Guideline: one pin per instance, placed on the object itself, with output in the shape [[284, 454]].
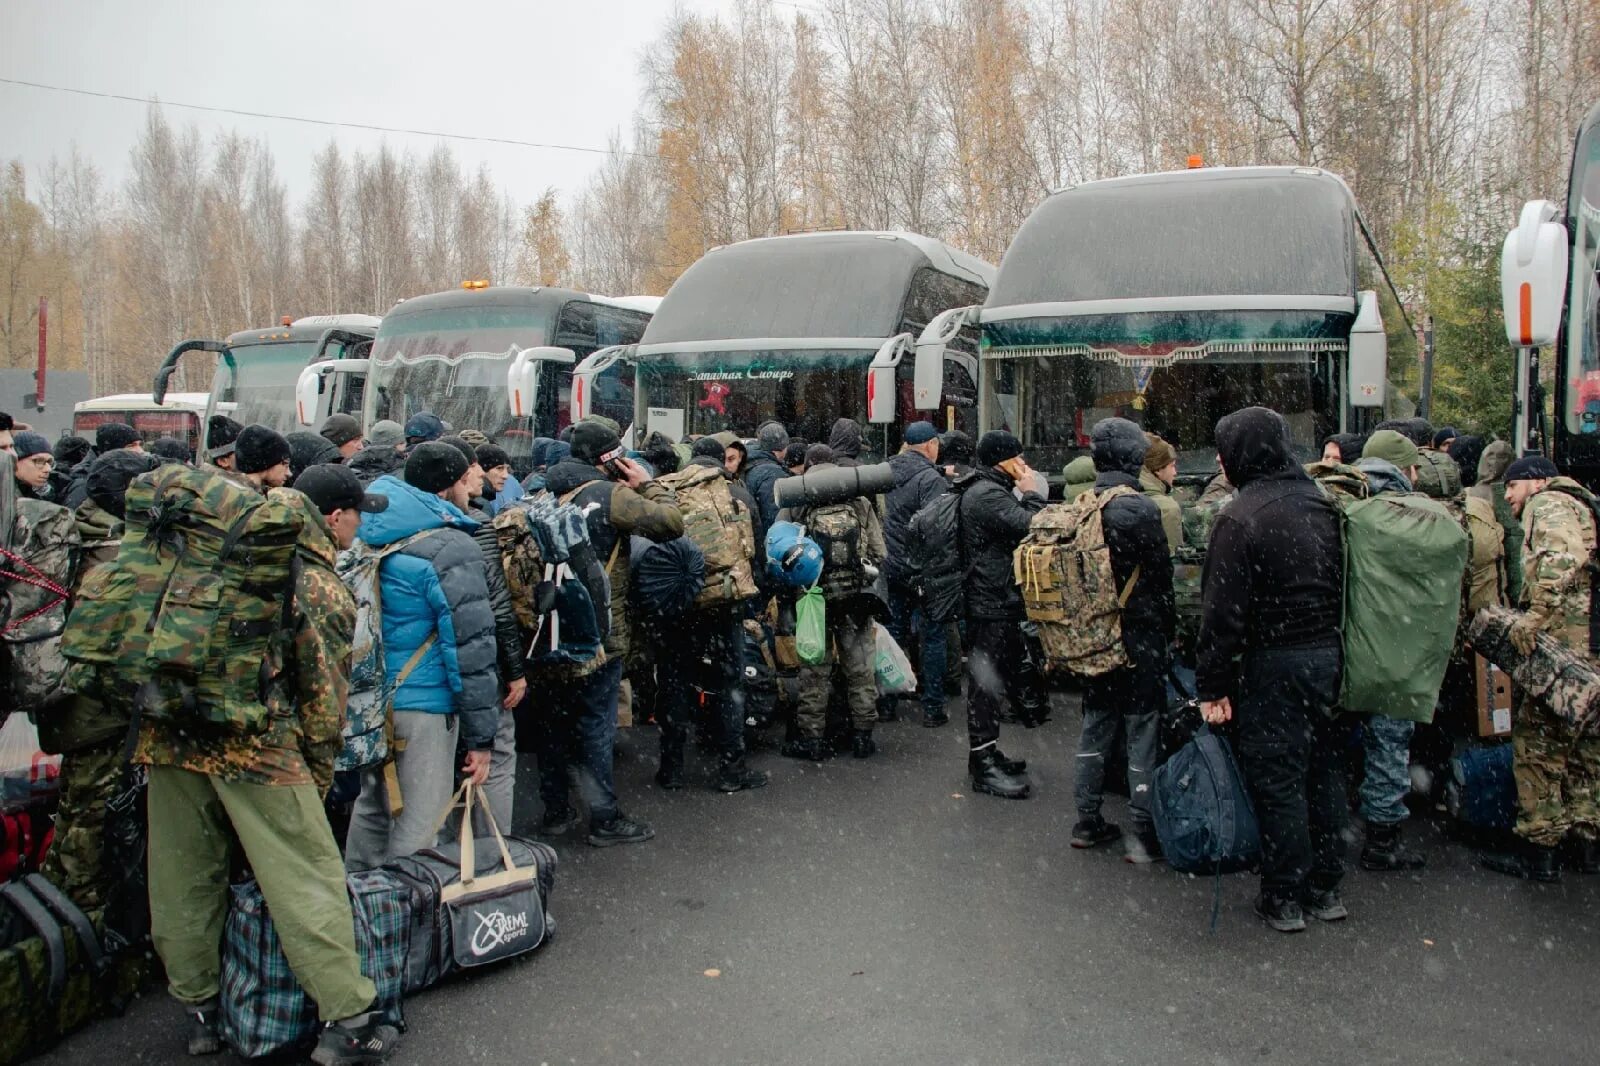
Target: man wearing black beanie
[[996, 511], [261, 455], [113, 435]]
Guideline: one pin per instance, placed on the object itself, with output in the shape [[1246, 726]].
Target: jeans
[[575, 728], [1130, 696], [426, 768], [1388, 769], [998, 668], [707, 646], [1288, 750], [907, 620]]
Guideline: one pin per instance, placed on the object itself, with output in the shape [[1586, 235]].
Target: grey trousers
[[427, 771], [502, 783]]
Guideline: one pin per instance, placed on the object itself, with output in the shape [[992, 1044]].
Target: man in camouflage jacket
[[267, 791], [1557, 767]]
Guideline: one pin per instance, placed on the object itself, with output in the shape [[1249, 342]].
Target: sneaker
[[1324, 905], [556, 822], [1284, 915], [1092, 832], [619, 830], [740, 779], [205, 1032], [1143, 848], [369, 1040]]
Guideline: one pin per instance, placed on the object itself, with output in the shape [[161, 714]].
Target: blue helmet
[[793, 559]]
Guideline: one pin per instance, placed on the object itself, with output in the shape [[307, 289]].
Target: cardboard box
[[1493, 686]]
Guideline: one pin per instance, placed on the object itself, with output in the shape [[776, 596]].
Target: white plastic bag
[[895, 676], [27, 774]]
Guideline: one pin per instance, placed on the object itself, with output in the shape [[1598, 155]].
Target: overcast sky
[[552, 71]]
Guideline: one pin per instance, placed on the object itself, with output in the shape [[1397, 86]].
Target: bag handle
[[469, 796]]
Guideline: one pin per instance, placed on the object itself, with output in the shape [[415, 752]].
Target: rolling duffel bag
[[474, 902]]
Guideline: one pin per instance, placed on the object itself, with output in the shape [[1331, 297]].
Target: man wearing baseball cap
[[340, 498], [1555, 764], [917, 481], [423, 427]]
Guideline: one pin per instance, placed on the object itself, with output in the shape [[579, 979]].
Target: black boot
[[1009, 765], [735, 776], [989, 776], [815, 749], [1528, 861], [1092, 832], [862, 746], [670, 775], [205, 1028], [1384, 851], [1588, 858]]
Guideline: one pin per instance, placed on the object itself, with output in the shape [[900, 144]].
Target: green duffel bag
[[1404, 555], [54, 976]]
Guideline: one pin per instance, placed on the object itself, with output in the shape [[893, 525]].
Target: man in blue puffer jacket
[[435, 594]]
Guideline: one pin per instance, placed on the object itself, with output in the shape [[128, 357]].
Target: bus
[[1173, 299], [805, 329], [179, 415], [1550, 287], [498, 359], [258, 371]]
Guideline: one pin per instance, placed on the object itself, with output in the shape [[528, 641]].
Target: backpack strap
[[55, 945], [393, 744], [566, 499], [65, 910], [1100, 504]]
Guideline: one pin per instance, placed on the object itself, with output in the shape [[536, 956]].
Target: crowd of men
[[1264, 662]]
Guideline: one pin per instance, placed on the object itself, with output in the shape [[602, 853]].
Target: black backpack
[[937, 559]]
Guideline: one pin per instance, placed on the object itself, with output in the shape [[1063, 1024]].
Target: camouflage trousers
[[855, 647], [1557, 774], [90, 777]]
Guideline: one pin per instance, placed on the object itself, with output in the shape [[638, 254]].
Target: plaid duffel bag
[[264, 1009]]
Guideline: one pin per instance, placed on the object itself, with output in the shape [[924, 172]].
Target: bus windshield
[[805, 389], [1583, 302], [468, 392], [258, 380], [1052, 402]]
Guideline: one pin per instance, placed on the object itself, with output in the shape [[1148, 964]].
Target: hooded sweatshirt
[[845, 440], [1079, 477], [1383, 476], [1137, 540], [1274, 572], [437, 584]]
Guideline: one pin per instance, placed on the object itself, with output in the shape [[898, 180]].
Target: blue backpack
[[1202, 812]]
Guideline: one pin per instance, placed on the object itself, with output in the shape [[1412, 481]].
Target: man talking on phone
[[618, 499], [995, 512]]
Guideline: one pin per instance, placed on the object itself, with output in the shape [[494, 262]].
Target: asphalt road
[[878, 912]]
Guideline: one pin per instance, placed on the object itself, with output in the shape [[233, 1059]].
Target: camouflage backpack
[[1438, 475], [721, 528], [36, 576], [836, 527], [369, 713], [190, 624], [1063, 567]]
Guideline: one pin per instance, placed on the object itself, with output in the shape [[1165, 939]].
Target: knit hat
[[955, 447], [386, 434], [920, 433], [773, 437], [591, 440], [424, 426], [491, 455], [434, 466], [113, 435], [997, 446], [341, 429], [307, 449], [1390, 445], [26, 442], [794, 454], [1159, 454], [1531, 468], [818, 453], [609, 423], [708, 448], [467, 451], [109, 476], [260, 448], [222, 434], [475, 437], [1442, 436], [171, 449], [71, 450]]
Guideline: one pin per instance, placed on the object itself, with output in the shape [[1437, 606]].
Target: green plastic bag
[[811, 628], [1404, 556]]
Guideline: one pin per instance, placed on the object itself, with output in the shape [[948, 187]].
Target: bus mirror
[[583, 378], [308, 395], [158, 391], [1533, 276], [928, 377], [881, 392], [1369, 355]]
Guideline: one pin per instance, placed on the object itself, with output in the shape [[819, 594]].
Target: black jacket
[[371, 463], [1274, 572], [1136, 538], [507, 634], [845, 442], [993, 523], [761, 471], [916, 483]]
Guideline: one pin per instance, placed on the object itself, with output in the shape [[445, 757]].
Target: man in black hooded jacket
[[845, 440], [1269, 660], [994, 519], [1131, 695]]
